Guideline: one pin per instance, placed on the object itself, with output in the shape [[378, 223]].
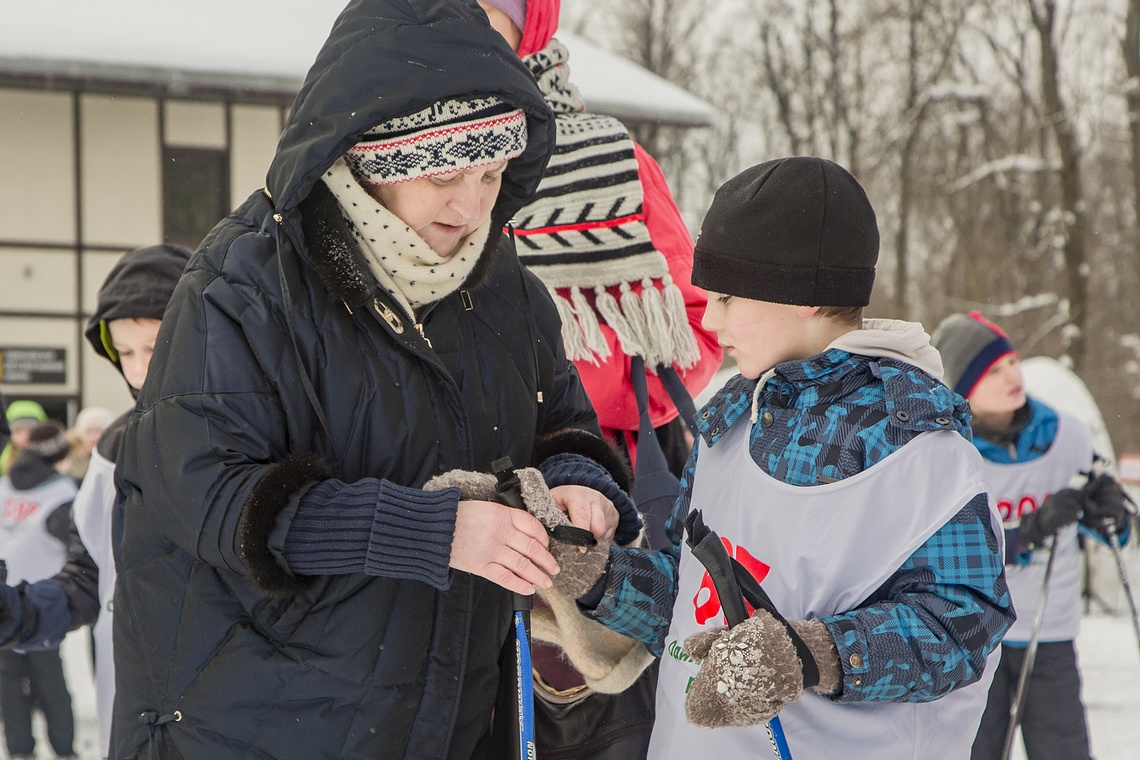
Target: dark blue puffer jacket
[[276, 369]]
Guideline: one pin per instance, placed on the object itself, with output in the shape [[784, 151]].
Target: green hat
[[24, 409]]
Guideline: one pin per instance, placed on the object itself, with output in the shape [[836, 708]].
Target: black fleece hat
[[796, 230], [138, 287]]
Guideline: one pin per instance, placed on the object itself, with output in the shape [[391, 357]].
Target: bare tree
[[1130, 48], [1044, 15]]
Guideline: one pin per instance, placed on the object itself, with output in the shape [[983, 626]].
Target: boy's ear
[[806, 312]]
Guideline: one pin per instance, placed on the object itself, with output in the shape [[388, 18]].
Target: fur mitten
[[474, 486], [608, 661], [751, 671], [581, 566]]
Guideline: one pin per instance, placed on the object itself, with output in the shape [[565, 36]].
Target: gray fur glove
[[751, 671], [581, 567]]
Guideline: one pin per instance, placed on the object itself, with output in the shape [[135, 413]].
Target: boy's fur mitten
[[751, 671], [1061, 509]]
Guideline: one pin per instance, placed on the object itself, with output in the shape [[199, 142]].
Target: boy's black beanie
[[138, 287], [796, 230]]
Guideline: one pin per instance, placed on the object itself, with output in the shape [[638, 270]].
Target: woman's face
[[446, 208]]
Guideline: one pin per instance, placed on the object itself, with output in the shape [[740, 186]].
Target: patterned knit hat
[[970, 344], [49, 442], [448, 136]]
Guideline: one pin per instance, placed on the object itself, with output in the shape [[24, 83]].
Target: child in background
[[35, 513], [837, 469], [84, 436], [1031, 454], [122, 330], [22, 415]]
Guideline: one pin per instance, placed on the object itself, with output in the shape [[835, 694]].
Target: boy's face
[[758, 334], [134, 340], [1001, 390]]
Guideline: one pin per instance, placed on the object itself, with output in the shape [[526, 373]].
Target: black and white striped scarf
[[584, 232]]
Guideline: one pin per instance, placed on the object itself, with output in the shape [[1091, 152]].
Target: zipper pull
[[420, 330]]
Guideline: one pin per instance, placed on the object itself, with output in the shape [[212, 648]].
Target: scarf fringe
[[652, 324], [686, 352], [588, 321]]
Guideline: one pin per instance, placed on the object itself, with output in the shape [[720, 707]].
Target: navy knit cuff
[[577, 470], [375, 527], [412, 533]]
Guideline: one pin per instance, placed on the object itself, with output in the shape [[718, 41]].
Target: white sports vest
[[819, 551], [92, 509], [32, 553], [1022, 487]]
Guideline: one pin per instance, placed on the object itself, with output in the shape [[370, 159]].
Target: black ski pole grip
[[510, 493]]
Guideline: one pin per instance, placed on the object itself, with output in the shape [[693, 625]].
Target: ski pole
[[510, 493], [1018, 706], [1114, 542], [707, 549]]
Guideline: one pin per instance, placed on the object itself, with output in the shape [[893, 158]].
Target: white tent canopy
[[266, 42]]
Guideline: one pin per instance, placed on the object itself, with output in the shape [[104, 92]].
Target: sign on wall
[[31, 365]]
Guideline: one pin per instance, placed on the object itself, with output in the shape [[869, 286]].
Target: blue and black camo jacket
[[929, 629]]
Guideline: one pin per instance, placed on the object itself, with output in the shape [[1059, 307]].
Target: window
[[195, 188]]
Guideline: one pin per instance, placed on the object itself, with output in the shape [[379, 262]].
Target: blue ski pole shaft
[[1017, 708], [510, 494], [710, 552]]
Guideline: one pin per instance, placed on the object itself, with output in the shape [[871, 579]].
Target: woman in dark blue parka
[[286, 588]]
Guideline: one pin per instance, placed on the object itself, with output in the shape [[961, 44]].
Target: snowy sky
[[271, 38]]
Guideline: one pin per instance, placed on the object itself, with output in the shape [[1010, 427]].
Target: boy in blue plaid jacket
[[837, 469]]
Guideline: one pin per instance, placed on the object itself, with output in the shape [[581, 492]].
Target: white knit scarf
[[400, 260]]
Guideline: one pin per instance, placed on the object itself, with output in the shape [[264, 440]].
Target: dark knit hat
[[48, 441], [448, 136], [796, 230], [137, 287], [970, 344]]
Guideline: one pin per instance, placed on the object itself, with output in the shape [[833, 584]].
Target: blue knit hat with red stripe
[[970, 344]]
